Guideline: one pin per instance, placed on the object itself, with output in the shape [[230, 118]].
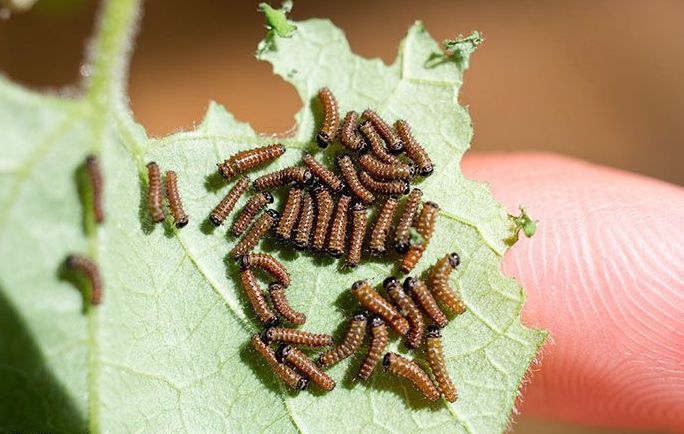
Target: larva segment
[[403, 367], [256, 298], [435, 358], [376, 145], [94, 172], [390, 137], [268, 263], [284, 372], [154, 193], [297, 337], [298, 174], [175, 202], [325, 175], [397, 187], [282, 306], [358, 232], [225, 207], [402, 231], [425, 225], [349, 136], [407, 308], [373, 302], [378, 343], [331, 118], [303, 364], [344, 162], [255, 233], [302, 231], [85, 266], [386, 172], [249, 159], [255, 204], [288, 217], [419, 292], [350, 344], [413, 149], [324, 212], [438, 282], [381, 228], [338, 227]]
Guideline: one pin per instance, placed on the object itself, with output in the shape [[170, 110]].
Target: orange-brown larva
[[297, 337], [282, 306], [349, 137], [407, 308], [357, 234], [403, 367], [249, 159], [321, 172], [225, 207], [375, 303], [268, 263], [255, 233], [303, 364], [338, 227], [298, 174], [376, 145], [419, 292], [284, 372], [439, 285], [413, 149], [154, 193], [84, 265], [324, 212], [344, 162], [256, 298], [331, 117], [425, 224], [290, 212], [175, 202], [390, 137], [378, 343], [379, 170], [255, 204], [411, 257], [302, 231], [381, 228], [389, 187], [435, 358], [95, 179], [350, 344], [402, 231]]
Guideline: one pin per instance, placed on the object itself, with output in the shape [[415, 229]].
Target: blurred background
[[599, 80]]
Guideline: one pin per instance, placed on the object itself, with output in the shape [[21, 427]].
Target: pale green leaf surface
[[166, 351]]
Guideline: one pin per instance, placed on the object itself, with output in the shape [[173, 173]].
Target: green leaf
[[167, 350]]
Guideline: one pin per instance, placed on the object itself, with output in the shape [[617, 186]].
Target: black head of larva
[[433, 332], [273, 213], [90, 158], [335, 255], [307, 177], [454, 260], [282, 351], [358, 206], [431, 204], [358, 284], [182, 222], [407, 188], [70, 261], [409, 283], [427, 170], [401, 247], [343, 155], [268, 196], [303, 383], [151, 163], [386, 361], [360, 316], [376, 321], [242, 262], [299, 244], [390, 281], [214, 220], [266, 335], [412, 170], [322, 139], [273, 322]]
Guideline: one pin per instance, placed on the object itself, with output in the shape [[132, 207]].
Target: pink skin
[[605, 275]]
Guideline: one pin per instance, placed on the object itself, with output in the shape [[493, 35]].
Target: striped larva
[[324, 212], [302, 231], [284, 372], [344, 162], [255, 233], [407, 308], [256, 298], [349, 136], [297, 337], [325, 175], [381, 228], [331, 117], [282, 305], [402, 231], [290, 212], [375, 303], [249, 159], [268, 263], [425, 225], [378, 343], [357, 234], [414, 150], [389, 187], [350, 344], [403, 367], [94, 172], [338, 227], [435, 358], [154, 193], [376, 145], [255, 204], [390, 137], [293, 356], [439, 284], [225, 207], [387, 172], [175, 202], [419, 292], [87, 267], [298, 174]]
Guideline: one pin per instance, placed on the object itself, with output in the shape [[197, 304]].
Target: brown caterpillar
[[425, 224], [267, 263], [350, 344], [154, 194], [225, 207], [376, 304], [344, 162], [87, 267], [358, 232], [338, 227], [324, 212], [435, 358], [331, 117], [413, 149], [411, 257], [349, 137], [247, 160], [282, 306], [439, 284], [256, 298], [378, 343], [326, 175], [302, 231], [95, 178], [284, 372], [407, 308], [420, 293], [255, 204], [255, 233], [403, 367], [376, 145], [387, 172], [175, 202], [281, 177], [393, 141], [402, 231], [381, 228], [390, 187], [296, 358], [297, 337], [288, 217]]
